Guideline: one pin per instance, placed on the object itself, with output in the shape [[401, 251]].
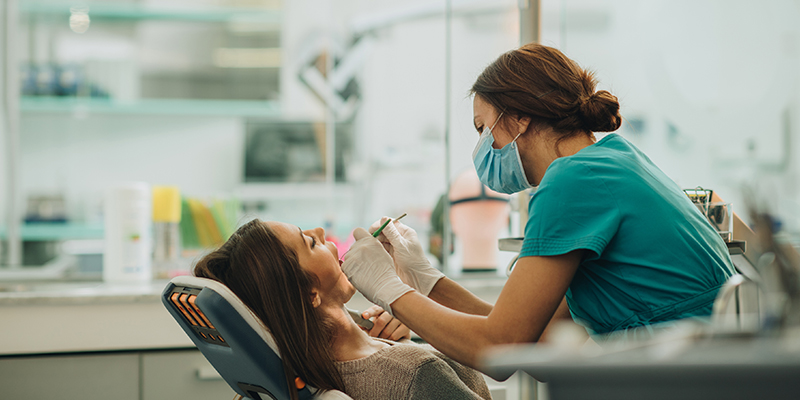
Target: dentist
[[611, 241]]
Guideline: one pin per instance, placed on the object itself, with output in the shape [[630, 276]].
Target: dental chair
[[234, 340]]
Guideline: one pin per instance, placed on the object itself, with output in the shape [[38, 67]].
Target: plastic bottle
[[166, 224], [128, 233]]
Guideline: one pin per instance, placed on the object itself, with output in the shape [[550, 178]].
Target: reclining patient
[[292, 280]]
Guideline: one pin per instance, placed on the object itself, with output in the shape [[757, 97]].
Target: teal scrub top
[[652, 256]]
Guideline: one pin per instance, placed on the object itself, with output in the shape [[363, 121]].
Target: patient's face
[[319, 257]]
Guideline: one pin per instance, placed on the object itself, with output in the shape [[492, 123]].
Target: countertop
[[486, 285], [76, 317], [61, 293], [90, 316]]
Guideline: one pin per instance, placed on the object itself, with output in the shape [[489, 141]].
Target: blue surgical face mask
[[499, 169]]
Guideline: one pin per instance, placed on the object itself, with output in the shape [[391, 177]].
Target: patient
[[292, 280]]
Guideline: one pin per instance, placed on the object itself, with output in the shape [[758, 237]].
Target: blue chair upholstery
[[232, 339]]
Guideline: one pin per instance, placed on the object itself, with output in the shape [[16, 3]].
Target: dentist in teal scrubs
[[611, 241]]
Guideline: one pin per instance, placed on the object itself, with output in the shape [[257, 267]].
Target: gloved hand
[[371, 270], [410, 261]]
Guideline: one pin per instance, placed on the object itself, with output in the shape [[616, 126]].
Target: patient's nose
[[320, 234]]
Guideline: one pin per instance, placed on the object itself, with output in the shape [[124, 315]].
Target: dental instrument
[[360, 321], [378, 232]]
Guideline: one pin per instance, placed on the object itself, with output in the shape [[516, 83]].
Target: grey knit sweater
[[410, 371]]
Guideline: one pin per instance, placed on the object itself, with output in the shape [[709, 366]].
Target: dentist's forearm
[[530, 298], [463, 337], [454, 296]]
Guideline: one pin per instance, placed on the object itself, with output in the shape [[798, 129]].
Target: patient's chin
[[350, 291]]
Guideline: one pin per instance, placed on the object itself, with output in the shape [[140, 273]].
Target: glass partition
[[477, 216]]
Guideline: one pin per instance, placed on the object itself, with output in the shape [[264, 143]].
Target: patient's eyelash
[[313, 242]]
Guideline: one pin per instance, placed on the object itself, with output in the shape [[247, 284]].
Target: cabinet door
[[182, 374], [85, 377]]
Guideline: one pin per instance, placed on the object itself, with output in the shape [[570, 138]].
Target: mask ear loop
[[520, 134], [498, 120], [524, 176]]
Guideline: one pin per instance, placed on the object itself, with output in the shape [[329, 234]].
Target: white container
[[127, 255]]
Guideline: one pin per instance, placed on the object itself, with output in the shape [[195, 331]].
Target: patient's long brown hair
[[267, 277]]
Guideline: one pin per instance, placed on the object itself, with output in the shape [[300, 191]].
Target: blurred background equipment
[[166, 232], [479, 217], [778, 264], [294, 151], [46, 208], [127, 257], [718, 213]]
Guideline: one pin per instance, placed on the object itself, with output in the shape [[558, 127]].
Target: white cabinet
[[181, 375], [84, 377], [173, 374]]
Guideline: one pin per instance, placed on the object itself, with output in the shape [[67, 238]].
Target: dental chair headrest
[[249, 317], [233, 339]]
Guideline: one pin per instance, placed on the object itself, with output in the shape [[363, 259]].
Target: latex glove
[[371, 270], [410, 261], [386, 326]]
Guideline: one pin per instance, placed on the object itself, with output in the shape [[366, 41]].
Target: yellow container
[[166, 204]]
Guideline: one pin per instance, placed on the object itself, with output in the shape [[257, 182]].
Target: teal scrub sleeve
[[572, 209]]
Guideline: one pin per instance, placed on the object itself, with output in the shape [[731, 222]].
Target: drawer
[[181, 374], [84, 377]]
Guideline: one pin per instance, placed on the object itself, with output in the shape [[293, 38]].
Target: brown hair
[[267, 277], [540, 82]]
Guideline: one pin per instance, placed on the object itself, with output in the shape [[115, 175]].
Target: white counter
[[80, 317], [67, 317]]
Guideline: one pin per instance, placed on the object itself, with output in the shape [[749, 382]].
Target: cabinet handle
[[208, 374]]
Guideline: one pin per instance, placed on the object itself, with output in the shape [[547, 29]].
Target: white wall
[[402, 120], [478, 40], [3, 158], [400, 124], [710, 80], [79, 158]]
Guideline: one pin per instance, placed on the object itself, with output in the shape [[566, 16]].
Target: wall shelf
[[77, 105], [57, 231], [133, 11], [294, 191]]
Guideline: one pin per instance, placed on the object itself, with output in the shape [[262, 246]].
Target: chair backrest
[[231, 338]]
